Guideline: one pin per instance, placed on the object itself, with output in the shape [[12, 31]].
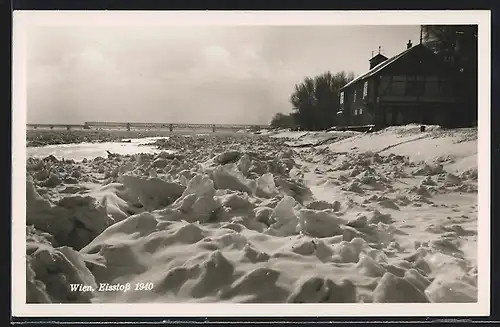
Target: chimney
[[409, 45]]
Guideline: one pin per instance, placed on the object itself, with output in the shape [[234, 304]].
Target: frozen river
[[78, 151]]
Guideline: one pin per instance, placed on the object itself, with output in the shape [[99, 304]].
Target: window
[[354, 96], [360, 111], [365, 90], [415, 88], [431, 88], [415, 85], [445, 88], [397, 88], [341, 97], [432, 78]]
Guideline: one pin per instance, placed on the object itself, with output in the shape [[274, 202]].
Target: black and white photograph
[[185, 163]]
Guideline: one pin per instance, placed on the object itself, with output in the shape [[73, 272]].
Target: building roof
[[379, 55], [383, 65]]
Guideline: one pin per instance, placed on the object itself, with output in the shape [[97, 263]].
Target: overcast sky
[[240, 75]]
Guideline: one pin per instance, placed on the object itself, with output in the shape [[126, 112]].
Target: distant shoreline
[[43, 137]]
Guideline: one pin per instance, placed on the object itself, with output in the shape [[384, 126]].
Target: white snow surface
[[383, 217]]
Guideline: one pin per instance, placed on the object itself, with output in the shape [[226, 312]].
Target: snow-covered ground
[[385, 217]]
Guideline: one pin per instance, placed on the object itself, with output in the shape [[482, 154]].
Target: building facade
[[416, 86]]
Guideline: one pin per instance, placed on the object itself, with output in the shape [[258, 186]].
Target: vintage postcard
[[251, 163]]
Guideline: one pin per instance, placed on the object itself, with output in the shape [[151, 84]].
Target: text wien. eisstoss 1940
[[118, 287]]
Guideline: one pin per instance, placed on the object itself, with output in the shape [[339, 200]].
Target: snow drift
[[383, 217]]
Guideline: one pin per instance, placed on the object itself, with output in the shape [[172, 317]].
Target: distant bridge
[[52, 126], [128, 126]]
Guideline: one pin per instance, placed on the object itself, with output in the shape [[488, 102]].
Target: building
[[416, 86]]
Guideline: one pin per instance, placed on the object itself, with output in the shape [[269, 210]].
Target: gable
[[381, 56]]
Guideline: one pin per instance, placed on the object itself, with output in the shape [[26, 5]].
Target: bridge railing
[[171, 126], [177, 125]]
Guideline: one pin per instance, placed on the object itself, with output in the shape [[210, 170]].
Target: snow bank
[[248, 219], [73, 220], [51, 272]]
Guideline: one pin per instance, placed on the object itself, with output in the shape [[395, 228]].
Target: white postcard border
[[24, 19]]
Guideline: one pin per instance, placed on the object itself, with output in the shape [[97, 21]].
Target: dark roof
[[379, 55], [383, 65]]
